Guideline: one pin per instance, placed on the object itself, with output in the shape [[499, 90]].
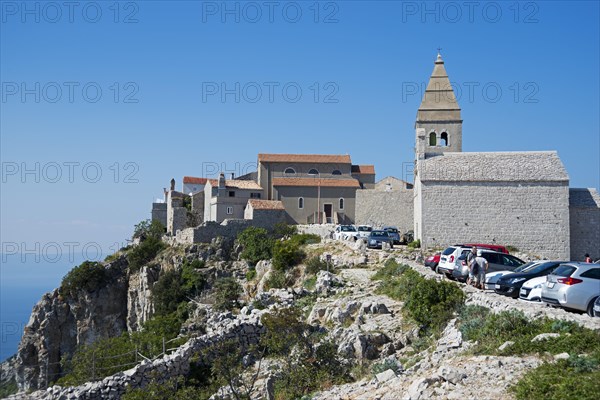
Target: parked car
[[345, 232], [376, 238], [363, 231], [495, 247], [532, 289], [496, 262], [433, 261], [407, 237], [393, 232], [510, 284], [597, 307], [573, 285], [451, 254], [492, 277]]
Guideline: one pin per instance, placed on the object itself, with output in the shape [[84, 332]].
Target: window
[[232, 193], [444, 139], [336, 172], [313, 171], [432, 139], [593, 273], [255, 195], [300, 202], [289, 171], [229, 210], [341, 203]]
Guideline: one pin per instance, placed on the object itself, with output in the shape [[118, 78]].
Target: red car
[[433, 261], [495, 247]]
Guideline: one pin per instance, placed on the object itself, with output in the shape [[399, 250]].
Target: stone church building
[[520, 199]]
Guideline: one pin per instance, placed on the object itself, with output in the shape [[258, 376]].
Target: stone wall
[[246, 328], [584, 214], [159, 213], [533, 217], [380, 208], [266, 218]]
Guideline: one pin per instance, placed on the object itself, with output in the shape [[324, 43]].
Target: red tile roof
[[351, 183], [305, 158], [266, 204], [194, 180], [363, 169]]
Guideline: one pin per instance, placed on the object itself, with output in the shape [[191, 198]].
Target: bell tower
[[439, 125]]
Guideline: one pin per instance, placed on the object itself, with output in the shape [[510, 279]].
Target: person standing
[[588, 259], [482, 266], [470, 262]]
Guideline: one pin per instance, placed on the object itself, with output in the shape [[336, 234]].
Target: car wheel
[[590, 307], [437, 270]]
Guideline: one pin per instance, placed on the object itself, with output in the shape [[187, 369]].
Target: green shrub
[[282, 229], [384, 366], [145, 252], [88, 276], [559, 381], [276, 280], [147, 228], [251, 274], [176, 286], [287, 254], [305, 238], [415, 244], [227, 290], [432, 303], [8, 388], [315, 264], [390, 269], [257, 244], [472, 321]]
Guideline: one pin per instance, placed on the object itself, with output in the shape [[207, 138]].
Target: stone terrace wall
[[246, 327], [584, 214], [380, 208], [533, 217]]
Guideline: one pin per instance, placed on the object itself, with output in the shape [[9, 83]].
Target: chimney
[[166, 192], [232, 176], [173, 184], [222, 181]]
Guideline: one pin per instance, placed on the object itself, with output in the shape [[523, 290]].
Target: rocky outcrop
[[139, 301], [61, 322]]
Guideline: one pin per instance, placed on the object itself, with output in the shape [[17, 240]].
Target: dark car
[[376, 238], [407, 237], [433, 261], [510, 284], [496, 262], [393, 232]]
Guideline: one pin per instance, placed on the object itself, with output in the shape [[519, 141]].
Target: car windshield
[[348, 229], [364, 228], [379, 234], [393, 230], [564, 270], [448, 251]]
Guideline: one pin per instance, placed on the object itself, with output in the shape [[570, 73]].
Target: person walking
[[588, 259], [482, 266], [470, 262]]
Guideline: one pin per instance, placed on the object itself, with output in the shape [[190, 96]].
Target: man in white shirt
[[483, 266]]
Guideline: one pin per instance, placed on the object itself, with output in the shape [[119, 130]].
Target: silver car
[[573, 285]]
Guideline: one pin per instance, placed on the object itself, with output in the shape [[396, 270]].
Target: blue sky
[[533, 68]]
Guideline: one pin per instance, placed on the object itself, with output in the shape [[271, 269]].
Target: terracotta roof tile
[[351, 183], [194, 180], [363, 169], [239, 184], [305, 158], [266, 204]]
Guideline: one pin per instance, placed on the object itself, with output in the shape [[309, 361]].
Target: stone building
[[520, 199], [314, 188], [265, 213], [389, 203], [227, 198]]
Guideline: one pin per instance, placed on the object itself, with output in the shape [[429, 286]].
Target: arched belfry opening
[[444, 139], [432, 139]]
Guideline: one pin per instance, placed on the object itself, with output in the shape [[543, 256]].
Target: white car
[[345, 232], [573, 285], [532, 289], [364, 231], [492, 277]]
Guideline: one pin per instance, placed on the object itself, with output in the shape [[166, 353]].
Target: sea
[[23, 281]]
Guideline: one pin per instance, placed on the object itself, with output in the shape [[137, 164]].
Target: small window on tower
[[444, 139], [432, 139]]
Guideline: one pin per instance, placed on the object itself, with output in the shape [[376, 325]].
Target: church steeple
[[438, 115]]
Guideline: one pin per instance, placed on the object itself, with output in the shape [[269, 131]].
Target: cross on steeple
[[439, 50]]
